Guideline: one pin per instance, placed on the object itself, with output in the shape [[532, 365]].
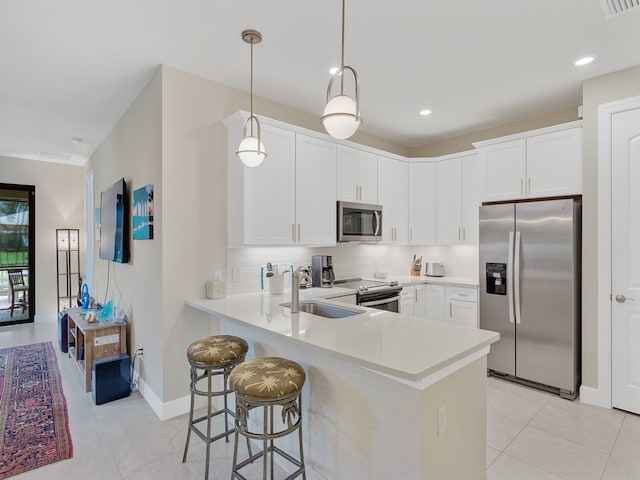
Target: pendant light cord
[[251, 88], [342, 59]]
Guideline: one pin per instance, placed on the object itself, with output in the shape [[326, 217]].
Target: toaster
[[434, 269]]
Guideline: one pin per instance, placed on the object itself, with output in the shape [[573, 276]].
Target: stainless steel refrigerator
[[530, 291]]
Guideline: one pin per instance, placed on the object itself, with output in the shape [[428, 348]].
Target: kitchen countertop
[[403, 346]]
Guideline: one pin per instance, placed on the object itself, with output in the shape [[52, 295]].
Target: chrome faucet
[[301, 272]]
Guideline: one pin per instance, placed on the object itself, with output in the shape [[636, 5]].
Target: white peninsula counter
[[387, 395]]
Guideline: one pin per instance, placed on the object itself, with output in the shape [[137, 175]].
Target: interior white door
[[625, 261]]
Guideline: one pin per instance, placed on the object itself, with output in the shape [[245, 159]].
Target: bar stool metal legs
[[215, 356], [275, 386]]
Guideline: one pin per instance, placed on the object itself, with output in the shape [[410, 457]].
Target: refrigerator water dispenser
[[497, 278]]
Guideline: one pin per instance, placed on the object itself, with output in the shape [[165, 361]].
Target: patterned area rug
[[33, 411]]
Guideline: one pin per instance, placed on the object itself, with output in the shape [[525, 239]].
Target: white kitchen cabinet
[[449, 193], [422, 203], [262, 199], [541, 163], [470, 199], [357, 178], [406, 300], [554, 164], [503, 170], [462, 305], [315, 192], [393, 188], [458, 200], [413, 300], [420, 301], [435, 301]]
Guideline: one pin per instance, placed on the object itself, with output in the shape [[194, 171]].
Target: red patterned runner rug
[[33, 411]]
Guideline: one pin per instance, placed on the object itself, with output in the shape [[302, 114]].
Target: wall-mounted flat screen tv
[[114, 223]]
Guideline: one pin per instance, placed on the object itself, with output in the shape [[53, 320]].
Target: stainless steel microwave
[[359, 222]]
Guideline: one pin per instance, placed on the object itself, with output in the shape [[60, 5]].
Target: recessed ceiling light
[[425, 112], [585, 60]]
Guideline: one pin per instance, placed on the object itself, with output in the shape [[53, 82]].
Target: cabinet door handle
[[529, 188], [415, 296], [298, 232], [459, 235], [411, 234], [450, 309], [464, 233]]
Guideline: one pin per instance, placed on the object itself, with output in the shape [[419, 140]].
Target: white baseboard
[[594, 396], [167, 410]]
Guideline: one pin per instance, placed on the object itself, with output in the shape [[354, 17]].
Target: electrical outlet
[[442, 420]]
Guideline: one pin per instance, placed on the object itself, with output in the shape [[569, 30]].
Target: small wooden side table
[[90, 341]]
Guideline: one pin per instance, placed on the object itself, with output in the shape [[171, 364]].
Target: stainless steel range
[[375, 294]]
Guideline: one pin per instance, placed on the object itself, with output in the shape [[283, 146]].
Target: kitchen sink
[[325, 310]]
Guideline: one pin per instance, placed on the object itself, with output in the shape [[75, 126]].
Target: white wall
[[59, 204], [133, 150]]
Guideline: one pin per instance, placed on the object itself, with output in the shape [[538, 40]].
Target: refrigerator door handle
[[510, 278], [516, 277]]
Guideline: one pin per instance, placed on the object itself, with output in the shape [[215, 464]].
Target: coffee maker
[[322, 271]]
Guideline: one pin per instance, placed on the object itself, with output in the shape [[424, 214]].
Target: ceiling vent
[[616, 7]]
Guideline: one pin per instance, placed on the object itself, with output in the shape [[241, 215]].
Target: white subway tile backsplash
[[349, 261]]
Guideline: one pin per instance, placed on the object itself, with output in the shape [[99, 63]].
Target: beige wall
[[59, 204], [133, 150], [596, 91], [464, 142]]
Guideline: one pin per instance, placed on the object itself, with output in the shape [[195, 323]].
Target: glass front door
[[16, 253]]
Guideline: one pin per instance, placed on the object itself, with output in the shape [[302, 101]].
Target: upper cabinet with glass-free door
[[357, 175], [422, 203], [261, 200], [393, 195], [289, 199], [315, 191], [458, 199], [536, 164]]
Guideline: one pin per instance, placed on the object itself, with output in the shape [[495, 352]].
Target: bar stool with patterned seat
[[268, 383], [214, 356]]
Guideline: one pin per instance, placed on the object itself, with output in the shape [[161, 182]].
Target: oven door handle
[[380, 302]]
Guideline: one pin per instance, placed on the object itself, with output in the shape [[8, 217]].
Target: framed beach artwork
[[143, 213]]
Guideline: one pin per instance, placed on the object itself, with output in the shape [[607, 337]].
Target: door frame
[[32, 249], [601, 395]]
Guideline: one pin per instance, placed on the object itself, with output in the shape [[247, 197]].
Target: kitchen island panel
[[360, 424]]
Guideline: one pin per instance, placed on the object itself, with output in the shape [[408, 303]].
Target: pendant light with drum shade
[[341, 116], [251, 150]]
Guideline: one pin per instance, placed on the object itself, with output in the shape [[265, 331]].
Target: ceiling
[[70, 68]]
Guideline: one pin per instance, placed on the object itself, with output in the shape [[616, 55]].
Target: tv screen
[[114, 223]]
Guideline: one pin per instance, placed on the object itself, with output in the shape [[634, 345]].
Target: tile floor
[[531, 435]]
